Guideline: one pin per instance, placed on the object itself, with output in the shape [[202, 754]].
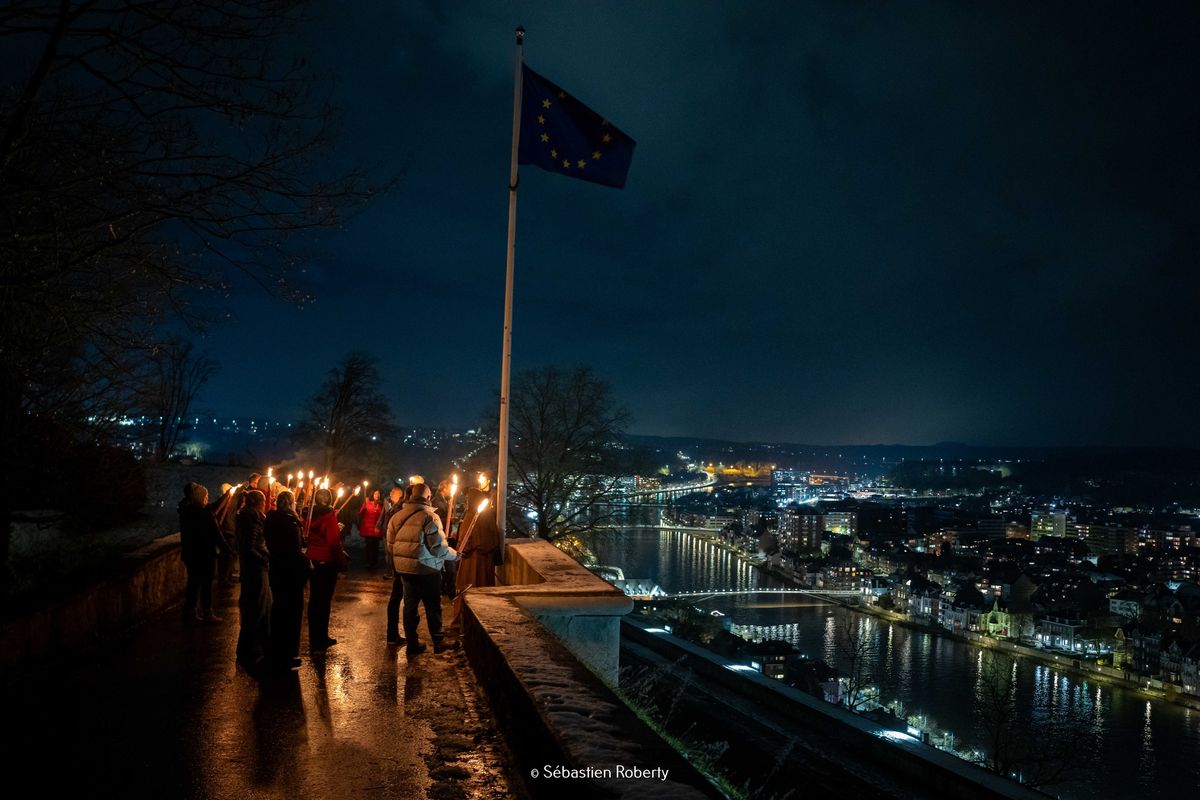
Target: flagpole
[[506, 353]]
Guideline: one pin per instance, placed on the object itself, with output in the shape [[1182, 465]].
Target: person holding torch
[[443, 503], [480, 552], [368, 526], [329, 558]]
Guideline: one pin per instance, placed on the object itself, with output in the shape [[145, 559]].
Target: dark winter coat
[[284, 534], [252, 547], [199, 535]]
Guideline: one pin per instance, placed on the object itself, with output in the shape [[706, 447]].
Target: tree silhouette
[[149, 151], [565, 451], [178, 374], [854, 646], [347, 411], [1038, 747]]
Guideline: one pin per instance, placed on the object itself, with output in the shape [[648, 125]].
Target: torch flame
[[482, 505], [341, 492], [357, 489], [310, 474], [483, 481]]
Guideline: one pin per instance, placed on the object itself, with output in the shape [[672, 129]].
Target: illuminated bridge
[[671, 491], [732, 592], [648, 589]]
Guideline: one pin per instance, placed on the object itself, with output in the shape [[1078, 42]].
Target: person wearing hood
[[418, 549], [200, 541], [254, 602], [328, 559], [288, 571], [484, 550]]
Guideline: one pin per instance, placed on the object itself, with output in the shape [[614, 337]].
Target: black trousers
[[199, 586], [228, 559], [254, 607], [450, 578], [320, 600], [372, 551], [425, 590], [393, 606], [287, 612]]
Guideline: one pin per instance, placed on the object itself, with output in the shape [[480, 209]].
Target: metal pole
[[506, 353]]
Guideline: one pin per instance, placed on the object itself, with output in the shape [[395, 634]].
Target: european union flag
[[561, 134]]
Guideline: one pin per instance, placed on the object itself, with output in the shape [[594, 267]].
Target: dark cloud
[[844, 223]]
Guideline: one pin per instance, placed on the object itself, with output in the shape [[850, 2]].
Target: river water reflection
[[1142, 748]]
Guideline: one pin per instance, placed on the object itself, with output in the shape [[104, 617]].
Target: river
[[1139, 747]]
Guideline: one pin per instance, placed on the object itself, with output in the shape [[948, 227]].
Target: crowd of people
[[275, 542]]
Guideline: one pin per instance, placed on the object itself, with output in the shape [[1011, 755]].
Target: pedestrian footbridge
[[645, 588], [733, 592]]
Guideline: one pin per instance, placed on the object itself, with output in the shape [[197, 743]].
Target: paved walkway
[[164, 713]]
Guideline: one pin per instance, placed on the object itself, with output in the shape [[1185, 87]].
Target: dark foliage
[[176, 376], [346, 412], [565, 451], [151, 154], [95, 485]]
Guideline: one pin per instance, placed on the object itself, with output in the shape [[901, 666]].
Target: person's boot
[[414, 649], [394, 639], [444, 645]]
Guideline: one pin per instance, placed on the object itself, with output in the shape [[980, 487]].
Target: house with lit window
[[772, 658], [1190, 670], [1146, 647], [1126, 603], [925, 604], [1171, 657], [1060, 633]]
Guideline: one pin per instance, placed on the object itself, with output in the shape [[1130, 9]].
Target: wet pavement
[[164, 712]]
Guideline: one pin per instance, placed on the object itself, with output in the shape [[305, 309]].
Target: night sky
[[845, 222]]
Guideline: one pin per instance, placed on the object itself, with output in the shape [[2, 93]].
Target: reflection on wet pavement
[[164, 712]]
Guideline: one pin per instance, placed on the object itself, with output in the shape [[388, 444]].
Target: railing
[[728, 592]]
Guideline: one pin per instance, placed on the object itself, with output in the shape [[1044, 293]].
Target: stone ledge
[[145, 582], [557, 713], [582, 610]]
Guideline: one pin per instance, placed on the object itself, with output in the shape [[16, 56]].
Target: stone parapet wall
[[582, 610], [145, 582], [556, 713]]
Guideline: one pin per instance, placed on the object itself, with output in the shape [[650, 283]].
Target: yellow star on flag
[[560, 134]]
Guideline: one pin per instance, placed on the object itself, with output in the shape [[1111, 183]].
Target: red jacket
[[324, 538], [368, 516]]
